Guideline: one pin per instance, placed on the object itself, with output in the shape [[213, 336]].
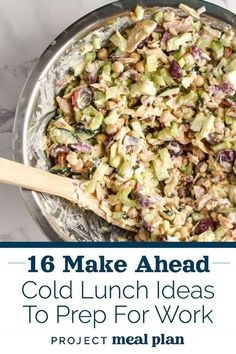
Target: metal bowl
[[58, 219]]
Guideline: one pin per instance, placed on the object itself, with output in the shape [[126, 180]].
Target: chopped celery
[[125, 170], [231, 66], [232, 193], [169, 92], [139, 12], [151, 63], [112, 117], [123, 197], [189, 169], [196, 216], [118, 215], [218, 49], [113, 151], [96, 43], [164, 73], [165, 157], [174, 130], [187, 80], [78, 115], [161, 171], [204, 42], [220, 233], [230, 77], [62, 124], [175, 42], [158, 17], [138, 128], [106, 73], [101, 171], [197, 25], [222, 146], [115, 159], [162, 164], [119, 41], [158, 80], [62, 136], [115, 91], [90, 57], [222, 63], [84, 134], [97, 117], [181, 62], [207, 128], [207, 236], [198, 121], [228, 120], [106, 69], [165, 134], [143, 88], [69, 87], [96, 122], [90, 187], [78, 68], [188, 99]]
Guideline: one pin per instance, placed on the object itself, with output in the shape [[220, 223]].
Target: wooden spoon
[[32, 178]]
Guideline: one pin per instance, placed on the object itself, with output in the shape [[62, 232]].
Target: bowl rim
[[83, 25]]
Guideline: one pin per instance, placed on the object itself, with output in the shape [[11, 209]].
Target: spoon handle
[[32, 178]]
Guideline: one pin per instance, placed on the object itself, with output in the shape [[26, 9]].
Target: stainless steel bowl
[[59, 220]]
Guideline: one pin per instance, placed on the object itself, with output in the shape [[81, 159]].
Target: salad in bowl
[[148, 121]]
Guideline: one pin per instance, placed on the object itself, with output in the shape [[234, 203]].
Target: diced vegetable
[[188, 99], [123, 197], [143, 88], [139, 12], [169, 92], [176, 42], [207, 127], [119, 41], [97, 117]]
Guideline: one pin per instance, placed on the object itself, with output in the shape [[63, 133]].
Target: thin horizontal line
[[16, 262], [156, 245], [221, 262]]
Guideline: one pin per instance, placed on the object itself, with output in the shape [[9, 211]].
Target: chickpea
[[140, 66], [111, 129], [199, 81], [103, 54], [132, 213], [135, 57], [117, 67], [189, 59], [118, 207], [101, 138], [110, 105]]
